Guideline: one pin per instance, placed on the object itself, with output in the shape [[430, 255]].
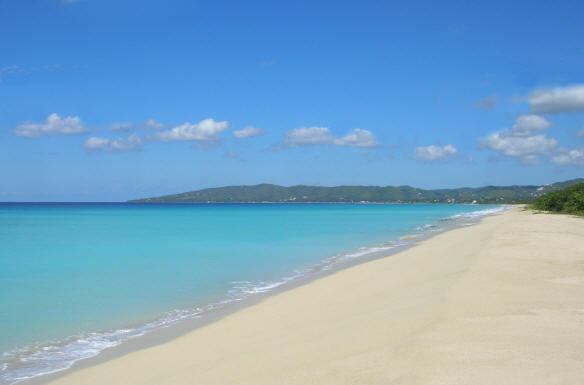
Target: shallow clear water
[[76, 278]]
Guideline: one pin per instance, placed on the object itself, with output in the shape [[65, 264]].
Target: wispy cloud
[[14, 69], [127, 126], [149, 124], [152, 124], [248, 132], [130, 143], [487, 103], [309, 136], [6, 70], [435, 153], [54, 125]]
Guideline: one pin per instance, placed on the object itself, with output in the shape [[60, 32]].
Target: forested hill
[[359, 194]]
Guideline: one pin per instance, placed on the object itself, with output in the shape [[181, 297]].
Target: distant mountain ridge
[[269, 193]]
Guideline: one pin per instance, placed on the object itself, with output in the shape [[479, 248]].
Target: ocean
[[77, 278]]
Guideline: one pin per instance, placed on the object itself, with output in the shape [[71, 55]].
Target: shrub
[[570, 200]]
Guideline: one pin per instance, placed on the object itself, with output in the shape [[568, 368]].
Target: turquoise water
[[76, 278]]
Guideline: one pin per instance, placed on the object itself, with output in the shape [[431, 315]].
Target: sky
[[104, 100]]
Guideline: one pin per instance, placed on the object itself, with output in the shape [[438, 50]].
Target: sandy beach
[[498, 302]]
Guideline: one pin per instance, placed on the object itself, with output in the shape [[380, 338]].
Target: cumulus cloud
[[304, 136], [54, 125], [573, 157], [523, 140], [205, 131], [96, 143], [527, 125], [357, 138], [559, 99], [524, 148], [248, 132], [307, 136], [432, 152], [132, 142]]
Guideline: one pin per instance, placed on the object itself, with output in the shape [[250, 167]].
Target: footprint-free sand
[[500, 302]]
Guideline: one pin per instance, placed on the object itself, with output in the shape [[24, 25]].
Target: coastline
[[502, 303], [215, 312]]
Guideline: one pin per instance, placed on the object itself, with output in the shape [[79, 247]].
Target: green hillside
[[347, 194], [568, 201]]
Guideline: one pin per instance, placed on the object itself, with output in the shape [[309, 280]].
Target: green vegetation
[[359, 194], [569, 200]]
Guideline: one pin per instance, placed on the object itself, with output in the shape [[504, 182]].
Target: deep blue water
[[67, 270]]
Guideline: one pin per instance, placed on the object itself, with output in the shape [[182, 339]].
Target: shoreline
[[501, 301], [161, 335]]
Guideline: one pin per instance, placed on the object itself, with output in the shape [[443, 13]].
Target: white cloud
[[96, 143], [307, 136], [121, 126], [559, 99], [523, 140], [248, 132], [152, 124], [574, 157], [149, 124], [527, 125], [432, 152], [524, 148], [205, 130], [54, 125], [304, 136], [357, 138], [132, 142]]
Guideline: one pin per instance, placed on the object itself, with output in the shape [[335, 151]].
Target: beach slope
[[498, 302]]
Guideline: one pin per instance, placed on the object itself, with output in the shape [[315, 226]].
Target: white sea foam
[[480, 213], [55, 356]]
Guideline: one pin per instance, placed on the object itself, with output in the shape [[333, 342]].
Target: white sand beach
[[501, 302]]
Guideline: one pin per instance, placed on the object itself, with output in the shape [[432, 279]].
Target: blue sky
[[111, 100]]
